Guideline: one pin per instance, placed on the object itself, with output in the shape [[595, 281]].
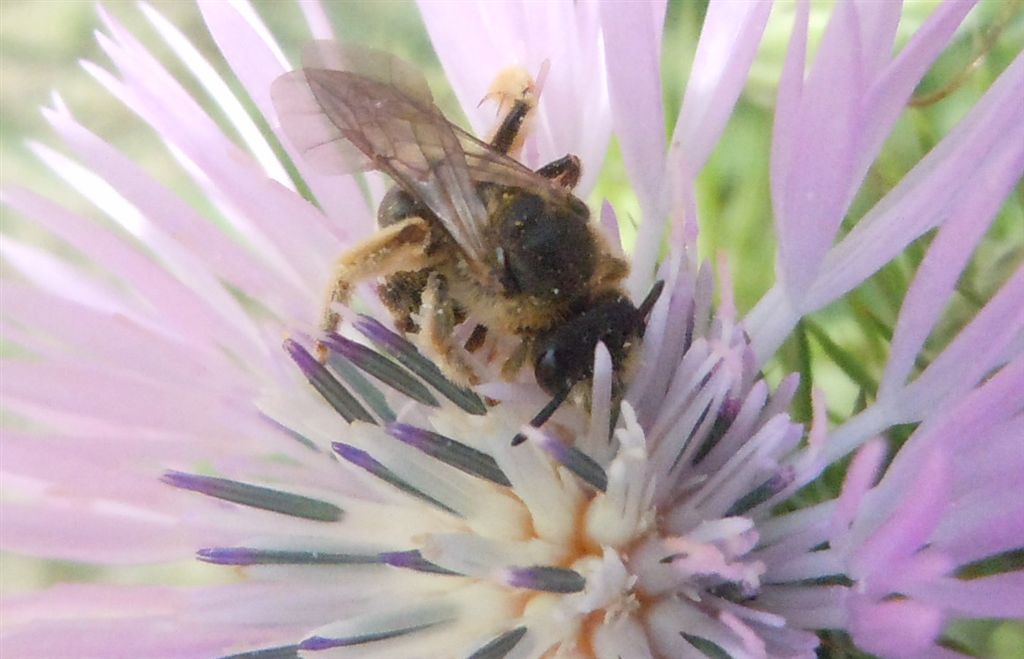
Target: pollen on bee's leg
[[515, 93], [512, 84]]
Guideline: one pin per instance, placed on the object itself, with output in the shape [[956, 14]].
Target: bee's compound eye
[[549, 373]]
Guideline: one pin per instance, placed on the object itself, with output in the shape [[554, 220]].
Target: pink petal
[[898, 629], [997, 596]]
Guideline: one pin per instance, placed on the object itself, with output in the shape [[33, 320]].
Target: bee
[[467, 231]]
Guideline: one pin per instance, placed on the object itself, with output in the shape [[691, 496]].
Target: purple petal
[[965, 158], [860, 477], [979, 348], [921, 506], [940, 270], [890, 91]]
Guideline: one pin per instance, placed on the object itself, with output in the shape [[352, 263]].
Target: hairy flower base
[[584, 541]]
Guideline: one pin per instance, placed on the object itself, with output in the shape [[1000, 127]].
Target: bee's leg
[[476, 339], [517, 359], [565, 171], [437, 324], [514, 89], [394, 248]]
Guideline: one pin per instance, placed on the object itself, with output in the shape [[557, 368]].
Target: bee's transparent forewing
[[311, 131], [354, 109], [369, 63]]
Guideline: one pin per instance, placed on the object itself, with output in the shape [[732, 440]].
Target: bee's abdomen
[[548, 252]]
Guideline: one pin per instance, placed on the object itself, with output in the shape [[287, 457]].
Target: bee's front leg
[[394, 248], [515, 361], [437, 325]]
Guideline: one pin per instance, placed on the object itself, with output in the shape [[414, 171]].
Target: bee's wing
[[353, 109]]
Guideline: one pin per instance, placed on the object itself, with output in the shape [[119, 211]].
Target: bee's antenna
[[544, 414], [652, 297]]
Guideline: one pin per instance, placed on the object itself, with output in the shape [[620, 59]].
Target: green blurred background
[[841, 349]]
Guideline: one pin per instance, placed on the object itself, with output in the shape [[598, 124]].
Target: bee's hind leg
[[437, 326], [394, 248], [565, 171]]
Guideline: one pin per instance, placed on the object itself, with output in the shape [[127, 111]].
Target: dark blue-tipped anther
[[450, 452], [256, 496], [335, 393], [547, 579], [368, 463], [381, 368], [407, 354]]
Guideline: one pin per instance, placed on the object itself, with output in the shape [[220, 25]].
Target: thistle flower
[[375, 509]]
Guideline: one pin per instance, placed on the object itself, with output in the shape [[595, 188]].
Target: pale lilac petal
[[998, 528], [878, 23], [810, 199], [851, 92], [179, 306], [122, 398], [256, 60], [177, 219], [947, 256], [634, 86], [729, 39], [919, 202], [114, 622], [475, 41], [316, 19], [262, 210], [221, 95]]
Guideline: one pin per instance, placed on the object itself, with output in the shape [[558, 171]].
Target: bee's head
[[565, 355]]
